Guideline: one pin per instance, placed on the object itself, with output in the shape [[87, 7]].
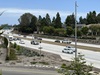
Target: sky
[[15, 8]]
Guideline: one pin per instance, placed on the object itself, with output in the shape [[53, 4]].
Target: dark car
[[57, 41], [34, 42], [38, 38]]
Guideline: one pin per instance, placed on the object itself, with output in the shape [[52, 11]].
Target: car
[[57, 40], [34, 42], [18, 39], [24, 36], [15, 39], [66, 50], [38, 38], [71, 47], [66, 41], [21, 42]]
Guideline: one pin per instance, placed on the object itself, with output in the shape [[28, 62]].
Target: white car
[[66, 41], [71, 47], [21, 42], [66, 50]]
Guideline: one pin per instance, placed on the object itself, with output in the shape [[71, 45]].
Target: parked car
[[34, 42], [21, 42], [66, 50], [71, 47], [57, 40], [66, 41]]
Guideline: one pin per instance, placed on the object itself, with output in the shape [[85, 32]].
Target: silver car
[[66, 41], [66, 50], [21, 42], [71, 47]]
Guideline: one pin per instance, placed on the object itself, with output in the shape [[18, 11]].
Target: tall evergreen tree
[[70, 21], [91, 18], [58, 23], [53, 22], [48, 19], [82, 20]]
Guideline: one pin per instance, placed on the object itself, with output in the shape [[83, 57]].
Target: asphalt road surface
[[21, 71], [91, 56]]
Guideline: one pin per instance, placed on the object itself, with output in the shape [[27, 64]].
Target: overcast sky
[[15, 8]]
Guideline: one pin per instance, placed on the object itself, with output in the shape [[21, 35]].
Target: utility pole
[[75, 29]]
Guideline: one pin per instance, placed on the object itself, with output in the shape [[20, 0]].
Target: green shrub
[[33, 62], [14, 45], [5, 42], [44, 63], [18, 47], [12, 55]]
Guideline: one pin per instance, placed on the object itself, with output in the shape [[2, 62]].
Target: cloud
[[36, 12], [17, 12]]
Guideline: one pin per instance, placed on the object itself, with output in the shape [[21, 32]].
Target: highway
[[90, 56]]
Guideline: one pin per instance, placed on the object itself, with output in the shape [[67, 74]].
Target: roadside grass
[[63, 44], [0, 72]]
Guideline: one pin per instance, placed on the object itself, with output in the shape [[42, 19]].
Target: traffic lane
[[48, 48], [52, 40], [22, 71], [58, 50]]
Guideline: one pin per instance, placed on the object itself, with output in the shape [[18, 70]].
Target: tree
[[5, 42], [82, 20], [48, 30], [98, 18], [58, 23], [53, 22], [60, 32], [91, 18], [69, 30], [70, 21], [48, 19], [33, 23], [38, 24], [43, 23], [84, 30], [77, 67], [27, 23], [79, 33]]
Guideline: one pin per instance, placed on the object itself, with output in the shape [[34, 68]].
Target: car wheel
[[63, 51]]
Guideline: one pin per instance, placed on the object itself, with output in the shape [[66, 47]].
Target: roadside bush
[[27, 52], [60, 32], [33, 62], [5, 42], [12, 55], [77, 67], [14, 45], [18, 47], [44, 63]]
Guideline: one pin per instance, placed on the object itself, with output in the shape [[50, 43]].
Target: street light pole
[[75, 29]]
